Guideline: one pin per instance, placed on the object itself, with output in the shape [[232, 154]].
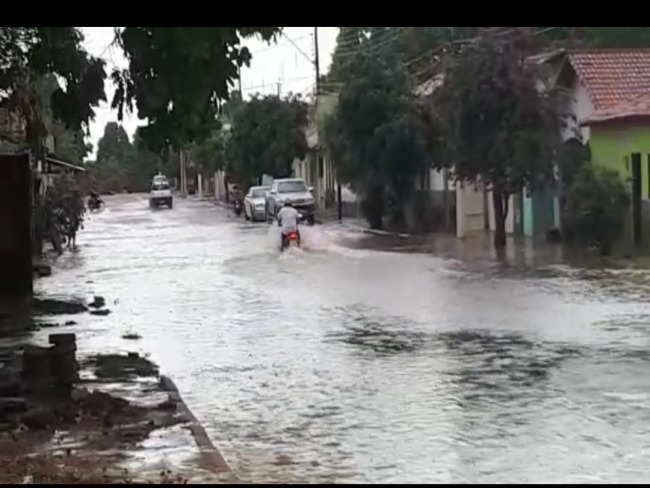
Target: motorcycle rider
[[237, 200], [288, 218], [95, 200]]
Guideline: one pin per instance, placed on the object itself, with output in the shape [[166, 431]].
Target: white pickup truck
[[161, 193]]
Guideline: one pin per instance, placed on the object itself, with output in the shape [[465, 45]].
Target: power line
[[277, 46], [353, 45], [371, 45], [298, 48], [469, 40], [274, 83]]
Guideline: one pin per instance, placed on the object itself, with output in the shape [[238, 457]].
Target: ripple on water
[[355, 365]]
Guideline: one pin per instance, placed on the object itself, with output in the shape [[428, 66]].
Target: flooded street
[[349, 364]]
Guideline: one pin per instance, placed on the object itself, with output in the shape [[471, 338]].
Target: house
[[470, 203], [620, 140], [609, 107]]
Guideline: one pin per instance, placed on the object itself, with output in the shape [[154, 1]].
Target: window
[[648, 176], [295, 186], [259, 192]]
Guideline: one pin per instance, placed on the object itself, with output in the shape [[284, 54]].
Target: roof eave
[[600, 119], [58, 162]]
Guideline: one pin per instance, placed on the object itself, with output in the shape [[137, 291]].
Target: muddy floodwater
[[349, 362]]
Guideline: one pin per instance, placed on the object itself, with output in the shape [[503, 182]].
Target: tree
[[595, 208], [375, 136], [29, 59], [109, 176], [69, 145], [144, 165], [210, 155], [348, 42], [613, 37], [499, 128], [266, 135], [177, 76], [113, 168], [115, 144]]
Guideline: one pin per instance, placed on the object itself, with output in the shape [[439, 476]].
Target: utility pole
[[318, 86], [181, 154], [316, 61], [279, 88], [241, 97]]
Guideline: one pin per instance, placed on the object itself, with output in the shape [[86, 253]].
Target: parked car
[[294, 190], [161, 193], [255, 202]]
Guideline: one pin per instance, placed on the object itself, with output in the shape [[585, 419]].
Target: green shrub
[[596, 207]]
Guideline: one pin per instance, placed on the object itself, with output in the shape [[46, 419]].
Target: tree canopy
[[499, 128], [375, 136], [266, 135], [29, 56], [176, 77], [122, 164]]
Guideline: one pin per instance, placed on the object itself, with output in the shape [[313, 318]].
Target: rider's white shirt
[[288, 217]]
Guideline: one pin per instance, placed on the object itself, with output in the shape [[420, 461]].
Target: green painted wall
[[610, 146]]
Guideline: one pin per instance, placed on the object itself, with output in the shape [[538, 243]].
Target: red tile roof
[[612, 76], [638, 106]]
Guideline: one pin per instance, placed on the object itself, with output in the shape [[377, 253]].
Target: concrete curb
[[211, 455]]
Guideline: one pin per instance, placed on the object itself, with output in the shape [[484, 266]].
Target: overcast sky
[[281, 63]]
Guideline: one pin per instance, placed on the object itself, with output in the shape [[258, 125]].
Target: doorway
[[636, 197]]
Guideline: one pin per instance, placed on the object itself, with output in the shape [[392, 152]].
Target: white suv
[[161, 193]]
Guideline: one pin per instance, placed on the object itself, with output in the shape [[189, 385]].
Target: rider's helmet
[[288, 203]]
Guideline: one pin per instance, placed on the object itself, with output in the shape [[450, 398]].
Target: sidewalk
[[122, 422]]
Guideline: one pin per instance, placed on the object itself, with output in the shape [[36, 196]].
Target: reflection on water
[[349, 363]]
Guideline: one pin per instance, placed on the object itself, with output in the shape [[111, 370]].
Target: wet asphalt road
[[363, 365]]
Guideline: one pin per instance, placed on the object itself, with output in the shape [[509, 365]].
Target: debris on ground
[[49, 306], [132, 336], [42, 270], [22, 468], [121, 366], [102, 312], [98, 302], [84, 433]]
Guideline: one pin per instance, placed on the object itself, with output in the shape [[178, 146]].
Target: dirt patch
[[21, 467], [122, 367], [81, 440]]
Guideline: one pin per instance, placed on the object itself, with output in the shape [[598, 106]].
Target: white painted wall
[[437, 180], [469, 209], [580, 106], [220, 185]]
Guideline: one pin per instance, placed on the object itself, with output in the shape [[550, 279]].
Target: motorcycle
[[238, 207], [291, 239], [95, 203]]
